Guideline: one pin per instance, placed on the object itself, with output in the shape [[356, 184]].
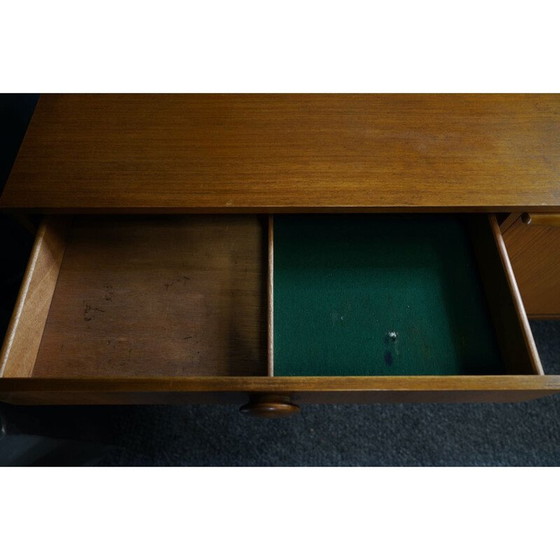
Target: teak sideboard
[[275, 250]]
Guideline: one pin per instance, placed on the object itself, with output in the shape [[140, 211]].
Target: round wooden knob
[[269, 406]]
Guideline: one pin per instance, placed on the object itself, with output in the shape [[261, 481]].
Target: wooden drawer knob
[[269, 406]]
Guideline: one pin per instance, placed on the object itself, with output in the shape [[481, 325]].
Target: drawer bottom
[[135, 296], [380, 295]]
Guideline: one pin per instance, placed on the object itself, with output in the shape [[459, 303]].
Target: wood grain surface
[[160, 296], [24, 333], [512, 328], [231, 153], [237, 390], [534, 251]]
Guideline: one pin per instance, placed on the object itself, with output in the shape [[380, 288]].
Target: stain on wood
[[176, 295]]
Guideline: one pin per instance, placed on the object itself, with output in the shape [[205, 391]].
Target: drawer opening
[[143, 296], [395, 295], [121, 297]]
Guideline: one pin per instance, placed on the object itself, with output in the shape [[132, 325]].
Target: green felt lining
[[343, 284]]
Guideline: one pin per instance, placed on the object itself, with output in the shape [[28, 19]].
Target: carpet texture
[[524, 434]]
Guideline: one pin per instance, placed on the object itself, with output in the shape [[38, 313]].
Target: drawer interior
[[155, 296], [379, 295], [396, 295], [290, 295]]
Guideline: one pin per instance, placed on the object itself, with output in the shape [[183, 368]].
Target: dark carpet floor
[[525, 434], [406, 434]]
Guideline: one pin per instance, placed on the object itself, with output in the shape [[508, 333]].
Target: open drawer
[[196, 308]]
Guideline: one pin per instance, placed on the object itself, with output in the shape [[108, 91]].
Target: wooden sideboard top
[[234, 153]]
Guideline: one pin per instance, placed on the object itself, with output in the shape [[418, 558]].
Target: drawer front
[[240, 390], [175, 309], [534, 250]]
